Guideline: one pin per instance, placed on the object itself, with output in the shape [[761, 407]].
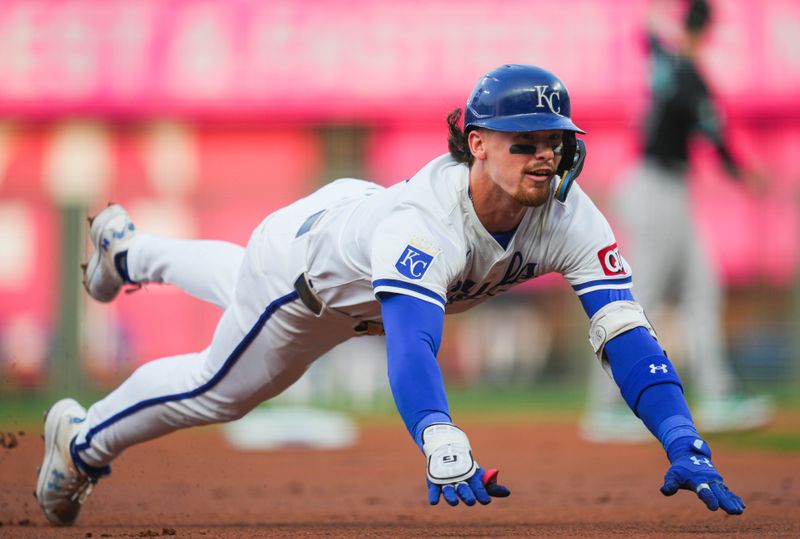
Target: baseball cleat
[[61, 488], [613, 424], [111, 232], [733, 413]]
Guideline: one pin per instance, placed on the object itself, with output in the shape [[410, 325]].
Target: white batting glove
[[448, 453], [451, 470]]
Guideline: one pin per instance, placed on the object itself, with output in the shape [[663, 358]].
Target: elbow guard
[[612, 320]]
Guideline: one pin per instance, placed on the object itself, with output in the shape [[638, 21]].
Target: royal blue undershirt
[[413, 333], [503, 238], [594, 301]]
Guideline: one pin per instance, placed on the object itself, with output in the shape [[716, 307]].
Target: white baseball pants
[[265, 339]]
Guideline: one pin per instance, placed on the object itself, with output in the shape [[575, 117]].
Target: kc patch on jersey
[[610, 260], [414, 261]]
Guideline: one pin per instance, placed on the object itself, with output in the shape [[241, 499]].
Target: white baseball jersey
[[423, 238]]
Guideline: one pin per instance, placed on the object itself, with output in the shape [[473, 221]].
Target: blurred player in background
[[665, 247], [355, 258]]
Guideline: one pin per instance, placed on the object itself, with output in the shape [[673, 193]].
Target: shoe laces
[[80, 487]]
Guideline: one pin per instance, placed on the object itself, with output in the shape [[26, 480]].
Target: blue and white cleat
[[613, 423], [733, 413], [111, 231], [61, 487]]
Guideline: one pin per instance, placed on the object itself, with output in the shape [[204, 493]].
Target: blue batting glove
[[692, 469], [481, 487], [452, 472]]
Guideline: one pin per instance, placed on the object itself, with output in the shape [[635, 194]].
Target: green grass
[[23, 411], [26, 409], [556, 398], [782, 440]]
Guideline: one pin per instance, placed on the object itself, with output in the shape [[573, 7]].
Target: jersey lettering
[[516, 272]]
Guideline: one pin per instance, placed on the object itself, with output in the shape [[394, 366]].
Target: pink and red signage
[[359, 59]]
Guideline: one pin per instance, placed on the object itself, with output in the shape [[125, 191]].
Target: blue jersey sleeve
[[597, 299], [413, 334]]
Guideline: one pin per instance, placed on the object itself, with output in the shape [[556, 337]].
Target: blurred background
[[202, 117]]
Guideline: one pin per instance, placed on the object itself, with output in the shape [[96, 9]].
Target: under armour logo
[[698, 462], [654, 368]]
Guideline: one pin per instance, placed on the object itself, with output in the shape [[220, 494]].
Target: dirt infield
[[192, 484]]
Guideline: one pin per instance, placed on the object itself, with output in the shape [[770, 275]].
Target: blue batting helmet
[[516, 98]]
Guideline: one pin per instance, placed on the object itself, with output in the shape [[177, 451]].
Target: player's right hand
[[452, 473], [692, 470]]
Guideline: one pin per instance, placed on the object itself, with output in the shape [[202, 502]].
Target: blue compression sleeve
[[625, 350], [413, 333], [594, 301], [661, 407]]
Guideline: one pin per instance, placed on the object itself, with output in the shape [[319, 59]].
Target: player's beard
[[533, 197]]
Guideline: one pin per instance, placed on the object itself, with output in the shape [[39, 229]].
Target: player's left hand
[[692, 469], [452, 473]]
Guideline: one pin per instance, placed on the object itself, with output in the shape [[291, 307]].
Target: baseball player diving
[[354, 258]]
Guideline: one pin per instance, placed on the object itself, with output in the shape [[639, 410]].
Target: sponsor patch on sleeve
[[415, 260], [611, 261]]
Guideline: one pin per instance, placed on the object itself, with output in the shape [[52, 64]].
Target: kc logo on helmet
[[547, 98], [611, 261]]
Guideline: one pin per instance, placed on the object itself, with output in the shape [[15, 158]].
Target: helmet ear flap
[[573, 156], [570, 143]]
